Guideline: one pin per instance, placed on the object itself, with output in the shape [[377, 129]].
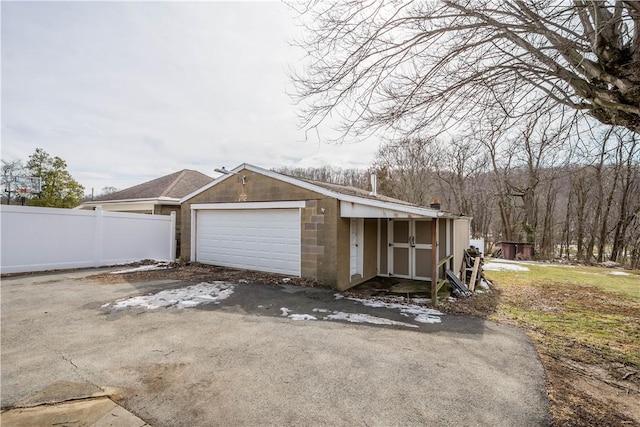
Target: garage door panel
[[261, 239]]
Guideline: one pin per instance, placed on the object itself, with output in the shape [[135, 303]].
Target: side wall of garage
[[319, 219]]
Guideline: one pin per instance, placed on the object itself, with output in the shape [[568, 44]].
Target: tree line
[[572, 197]]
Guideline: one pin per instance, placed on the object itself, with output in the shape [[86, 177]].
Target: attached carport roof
[[351, 205]]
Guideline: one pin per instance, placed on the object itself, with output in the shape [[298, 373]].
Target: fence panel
[[37, 239]]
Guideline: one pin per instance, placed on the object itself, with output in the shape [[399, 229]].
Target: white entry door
[[254, 239], [356, 259]]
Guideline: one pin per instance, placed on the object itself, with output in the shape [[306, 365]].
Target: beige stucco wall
[[320, 221], [370, 265], [370, 254], [384, 247]]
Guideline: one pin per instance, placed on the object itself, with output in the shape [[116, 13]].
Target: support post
[[98, 248], [434, 262]]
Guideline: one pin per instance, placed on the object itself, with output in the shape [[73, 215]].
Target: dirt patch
[[157, 377], [196, 272]]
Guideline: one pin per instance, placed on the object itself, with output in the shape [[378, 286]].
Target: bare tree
[[460, 161], [407, 169], [352, 177], [582, 183], [11, 170], [412, 66], [108, 190], [628, 158]]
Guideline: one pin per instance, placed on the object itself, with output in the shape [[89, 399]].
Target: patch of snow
[[485, 285], [285, 311], [425, 318], [301, 317], [610, 264], [191, 296], [158, 266], [366, 318], [495, 266], [321, 310], [286, 280], [405, 309], [620, 273], [421, 300], [243, 281]]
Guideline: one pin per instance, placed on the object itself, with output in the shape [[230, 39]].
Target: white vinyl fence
[[38, 239]]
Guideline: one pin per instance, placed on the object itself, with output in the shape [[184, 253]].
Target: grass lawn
[[585, 324], [621, 282]]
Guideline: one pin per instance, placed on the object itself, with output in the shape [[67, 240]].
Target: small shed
[[517, 250]]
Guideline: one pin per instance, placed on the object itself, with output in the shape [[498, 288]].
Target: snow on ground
[[191, 296], [620, 273], [422, 314], [285, 311], [158, 266], [302, 317], [501, 266], [349, 317], [366, 318], [485, 285]]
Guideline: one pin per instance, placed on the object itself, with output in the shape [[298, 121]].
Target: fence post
[[99, 233], [172, 237]]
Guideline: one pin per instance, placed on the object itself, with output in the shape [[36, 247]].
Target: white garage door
[[257, 239]]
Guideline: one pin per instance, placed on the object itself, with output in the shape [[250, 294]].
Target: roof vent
[[435, 204], [374, 184]]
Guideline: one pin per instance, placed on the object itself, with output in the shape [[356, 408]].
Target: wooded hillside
[[579, 201]]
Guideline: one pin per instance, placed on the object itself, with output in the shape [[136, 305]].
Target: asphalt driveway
[[186, 353]]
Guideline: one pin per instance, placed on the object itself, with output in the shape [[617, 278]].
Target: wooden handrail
[[444, 260]]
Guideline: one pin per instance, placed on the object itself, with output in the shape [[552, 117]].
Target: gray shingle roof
[[175, 185], [355, 191]]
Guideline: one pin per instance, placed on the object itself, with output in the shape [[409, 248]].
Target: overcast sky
[[129, 91]]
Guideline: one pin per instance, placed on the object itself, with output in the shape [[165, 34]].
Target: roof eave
[[157, 200], [415, 210]]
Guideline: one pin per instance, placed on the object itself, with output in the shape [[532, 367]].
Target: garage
[[263, 239], [257, 219]]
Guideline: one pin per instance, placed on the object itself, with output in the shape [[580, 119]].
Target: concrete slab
[[62, 391], [97, 412]]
